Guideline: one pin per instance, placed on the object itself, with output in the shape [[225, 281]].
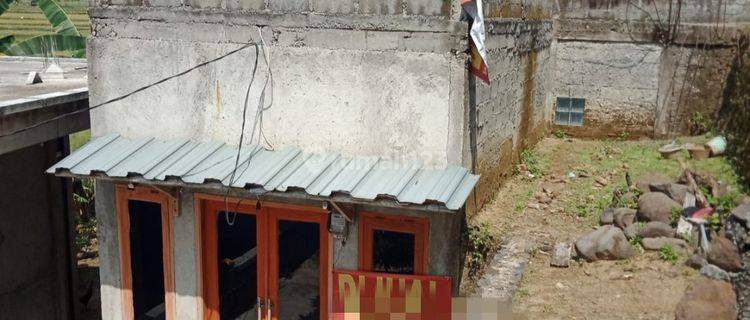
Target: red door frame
[[370, 221], [267, 240], [122, 195], [209, 254], [277, 212]]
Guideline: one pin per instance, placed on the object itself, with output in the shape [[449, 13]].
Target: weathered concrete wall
[[734, 115], [641, 89], [390, 93], [708, 11], [692, 81], [512, 112], [645, 68], [618, 80], [36, 255], [356, 7]]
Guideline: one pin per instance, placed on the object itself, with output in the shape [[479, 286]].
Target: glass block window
[[569, 111]]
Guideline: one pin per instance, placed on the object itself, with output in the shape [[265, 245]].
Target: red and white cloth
[[477, 50]]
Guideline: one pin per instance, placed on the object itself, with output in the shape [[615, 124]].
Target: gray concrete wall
[[708, 11], [388, 91], [513, 111], [36, 256], [641, 74], [641, 89], [618, 80], [109, 251]]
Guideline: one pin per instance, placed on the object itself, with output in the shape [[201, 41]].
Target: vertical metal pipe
[[472, 109]]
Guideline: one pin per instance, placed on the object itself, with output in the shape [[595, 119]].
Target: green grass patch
[[669, 254], [78, 139], [613, 158]]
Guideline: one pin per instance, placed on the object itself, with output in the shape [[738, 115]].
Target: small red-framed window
[[139, 258], [393, 244]]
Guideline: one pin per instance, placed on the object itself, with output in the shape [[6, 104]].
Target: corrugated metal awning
[[317, 174]]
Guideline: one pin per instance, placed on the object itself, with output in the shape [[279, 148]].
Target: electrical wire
[[257, 123], [41, 123]]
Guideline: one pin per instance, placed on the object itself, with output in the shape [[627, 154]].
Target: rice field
[[25, 21]]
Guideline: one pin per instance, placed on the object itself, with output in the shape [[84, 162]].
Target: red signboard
[[383, 296]]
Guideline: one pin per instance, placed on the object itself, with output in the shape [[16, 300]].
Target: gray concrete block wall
[[512, 112], [618, 80]]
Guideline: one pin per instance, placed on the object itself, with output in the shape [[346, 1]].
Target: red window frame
[[369, 222]]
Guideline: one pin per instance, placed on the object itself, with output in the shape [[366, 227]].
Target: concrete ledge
[[10, 107], [638, 32], [288, 20]]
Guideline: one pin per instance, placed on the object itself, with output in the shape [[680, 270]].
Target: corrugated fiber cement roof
[[317, 174]]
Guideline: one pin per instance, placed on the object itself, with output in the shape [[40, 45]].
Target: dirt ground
[[643, 287]]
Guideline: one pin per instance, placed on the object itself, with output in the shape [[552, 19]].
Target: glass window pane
[[393, 252], [238, 265], [563, 104], [299, 277], [146, 263], [576, 119], [561, 118], [578, 105]]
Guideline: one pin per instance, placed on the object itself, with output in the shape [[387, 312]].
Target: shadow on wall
[[734, 117]]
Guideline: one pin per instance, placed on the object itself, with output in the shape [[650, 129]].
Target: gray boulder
[[714, 272], [645, 181], [742, 213], [656, 206], [675, 191], [657, 243], [696, 261], [632, 230], [607, 216], [605, 243], [724, 254], [623, 217], [655, 229]]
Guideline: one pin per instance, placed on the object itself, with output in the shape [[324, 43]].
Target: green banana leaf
[[57, 17], [47, 45], [6, 42], [5, 4], [80, 53]]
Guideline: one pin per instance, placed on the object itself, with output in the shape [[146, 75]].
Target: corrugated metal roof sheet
[[365, 178]]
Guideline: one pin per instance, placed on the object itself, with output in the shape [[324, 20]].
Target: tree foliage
[[66, 37]]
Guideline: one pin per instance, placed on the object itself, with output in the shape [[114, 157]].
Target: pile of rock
[[656, 212], [648, 225]]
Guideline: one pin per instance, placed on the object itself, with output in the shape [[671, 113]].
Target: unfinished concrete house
[[312, 147]]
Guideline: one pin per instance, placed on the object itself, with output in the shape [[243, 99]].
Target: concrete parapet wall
[[442, 8]]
